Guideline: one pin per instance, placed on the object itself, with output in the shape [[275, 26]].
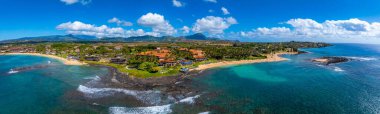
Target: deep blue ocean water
[[290, 87]]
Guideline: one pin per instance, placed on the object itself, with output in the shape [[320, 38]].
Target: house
[[167, 62], [183, 49], [163, 56], [200, 58], [118, 60], [198, 54], [71, 57], [118, 47], [77, 50], [185, 62], [92, 58], [184, 70]]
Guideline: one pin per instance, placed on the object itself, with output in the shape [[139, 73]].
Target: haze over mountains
[[79, 38]]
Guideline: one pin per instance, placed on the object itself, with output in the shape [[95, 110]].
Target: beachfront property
[[198, 55], [163, 55], [17, 49], [92, 58], [155, 58], [71, 57], [118, 60]]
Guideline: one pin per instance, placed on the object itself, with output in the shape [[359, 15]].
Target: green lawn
[[165, 71], [140, 73]]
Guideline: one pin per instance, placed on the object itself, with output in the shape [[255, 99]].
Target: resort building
[[163, 56], [198, 55], [118, 60], [92, 58]]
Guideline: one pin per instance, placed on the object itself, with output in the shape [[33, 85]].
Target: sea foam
[[163, 109], [189, 100], [96, 78], [150, 97], [12, 71], [204, 113], [363, 58], [338, 69]]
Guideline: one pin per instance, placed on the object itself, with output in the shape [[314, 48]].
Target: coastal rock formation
[[331, 60]]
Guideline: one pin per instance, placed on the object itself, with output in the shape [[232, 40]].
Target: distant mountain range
[[84, 38]]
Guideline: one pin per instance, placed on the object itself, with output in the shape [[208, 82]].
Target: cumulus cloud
[[185, 29], [157, 22], [80, 28], [213, 25], [83, 2], [177, 3], [225, 11], [212, 1], [120, 22], [308, 28]]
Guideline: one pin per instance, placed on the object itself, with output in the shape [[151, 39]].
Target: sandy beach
[[270, 58], [64, 60]]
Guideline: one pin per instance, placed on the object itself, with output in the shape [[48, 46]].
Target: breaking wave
[[363, 58], [151, 97], [96, 78], [189, 100], [12, 71], [204, 113], [337, 69], [163, 109]]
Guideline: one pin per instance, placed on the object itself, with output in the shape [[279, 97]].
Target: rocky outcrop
[[331, 60]]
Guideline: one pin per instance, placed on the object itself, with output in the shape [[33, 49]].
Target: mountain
[[83, 38], [53, 38]]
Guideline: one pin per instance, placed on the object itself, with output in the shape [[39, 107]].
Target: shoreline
[[63, 60], [270, 58]]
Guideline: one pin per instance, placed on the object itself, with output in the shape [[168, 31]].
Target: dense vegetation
[[148, 65]]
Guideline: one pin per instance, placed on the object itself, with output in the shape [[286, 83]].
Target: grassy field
[[140, 73]]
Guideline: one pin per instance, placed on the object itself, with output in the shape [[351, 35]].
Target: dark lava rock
[[331, 60]]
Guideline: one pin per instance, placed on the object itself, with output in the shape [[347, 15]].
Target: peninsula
[[157, 59]]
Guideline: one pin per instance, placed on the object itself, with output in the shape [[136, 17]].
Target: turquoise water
[[39, 91], [290, 87], [300, 86]]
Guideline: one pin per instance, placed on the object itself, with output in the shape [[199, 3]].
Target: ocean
[[297, 86]]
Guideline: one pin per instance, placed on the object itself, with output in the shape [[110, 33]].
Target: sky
[[346, 21]]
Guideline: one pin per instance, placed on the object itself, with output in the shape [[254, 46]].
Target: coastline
[[270, 58], [63, 60]]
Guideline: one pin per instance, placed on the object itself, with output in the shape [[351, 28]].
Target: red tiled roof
[[158, 53]]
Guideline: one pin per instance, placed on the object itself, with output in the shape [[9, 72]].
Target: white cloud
[[83, 2], [79, 28], [68, 2], [225, 11], [157, 22], [213, 1], [120, 22], [213, 25], [210, 11], [308, 28], [185, 29], [177, 3]]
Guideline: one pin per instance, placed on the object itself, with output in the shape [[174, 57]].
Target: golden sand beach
[[270, 58], [63, 60]]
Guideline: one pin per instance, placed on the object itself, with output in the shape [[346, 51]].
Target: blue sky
[[247, 20]]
